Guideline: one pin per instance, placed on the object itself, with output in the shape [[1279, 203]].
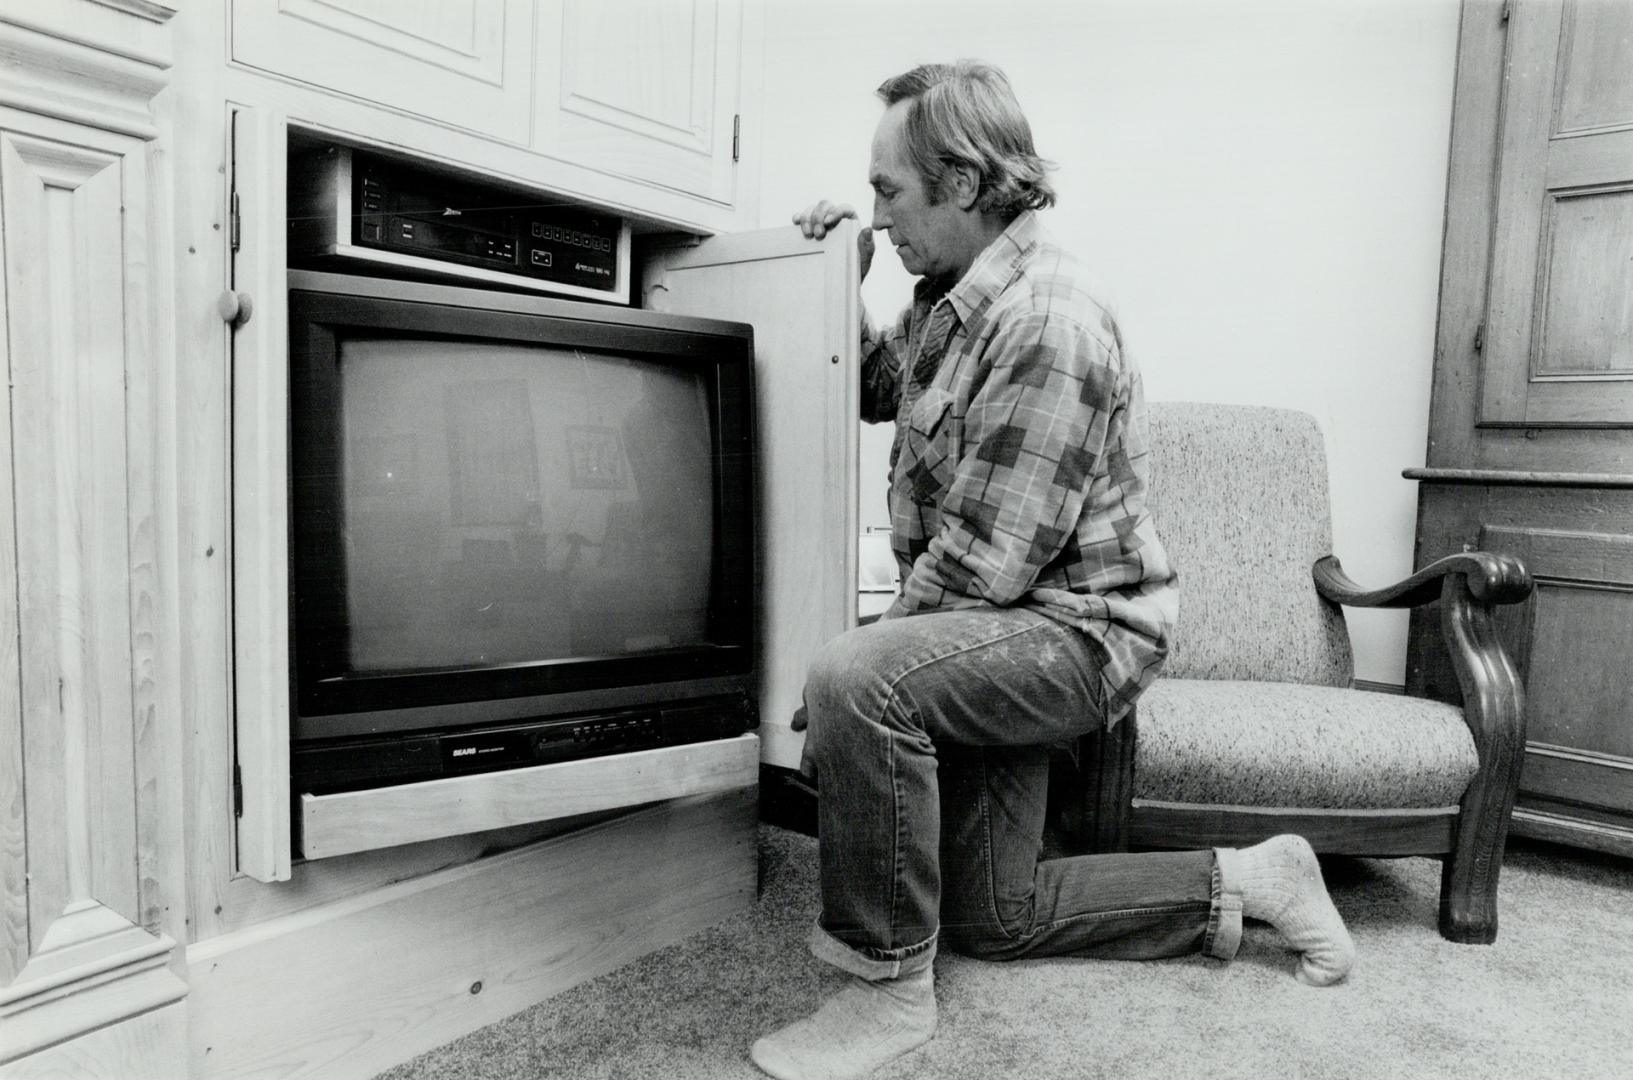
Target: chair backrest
[[1239, 496]]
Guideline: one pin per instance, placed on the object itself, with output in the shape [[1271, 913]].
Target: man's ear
[[965, 183]]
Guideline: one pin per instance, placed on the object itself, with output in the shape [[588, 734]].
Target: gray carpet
[[1552, 998]]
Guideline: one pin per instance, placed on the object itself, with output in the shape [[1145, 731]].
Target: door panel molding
[[616, 93], [465, 63], [1579, 747], [85, 666], [1557, 339]]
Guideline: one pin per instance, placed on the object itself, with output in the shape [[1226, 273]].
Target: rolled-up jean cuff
[[905, 961], [1224, 934]]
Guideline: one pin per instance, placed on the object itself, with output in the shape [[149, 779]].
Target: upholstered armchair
[[1254, 728]]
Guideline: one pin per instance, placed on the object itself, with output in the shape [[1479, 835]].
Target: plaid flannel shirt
[[1019, 467]]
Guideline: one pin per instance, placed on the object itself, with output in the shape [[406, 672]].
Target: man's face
[[926, 235]]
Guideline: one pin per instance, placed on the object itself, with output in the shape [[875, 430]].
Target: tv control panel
[[325, 766], [356, 206]]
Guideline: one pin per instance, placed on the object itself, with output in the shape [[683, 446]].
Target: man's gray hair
[[965, 113]]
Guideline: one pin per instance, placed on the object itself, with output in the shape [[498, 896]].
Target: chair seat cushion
[[1292, 745]]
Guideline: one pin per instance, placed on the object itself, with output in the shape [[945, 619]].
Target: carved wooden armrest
[[1469, 586], [1485, 577]]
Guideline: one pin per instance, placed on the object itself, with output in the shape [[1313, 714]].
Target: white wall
[[1259, 185]]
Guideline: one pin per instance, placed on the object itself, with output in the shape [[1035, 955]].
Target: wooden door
[[1558, 339], [801, 298], [1531, 423], [646, 89], [260, 501]]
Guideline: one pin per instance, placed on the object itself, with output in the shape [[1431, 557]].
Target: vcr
[[351, 764], [353, 206]]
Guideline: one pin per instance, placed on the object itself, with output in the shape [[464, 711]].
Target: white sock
[[1281, 884], [864, 1026]]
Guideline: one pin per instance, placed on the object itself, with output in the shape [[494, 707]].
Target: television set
[[521, 530]]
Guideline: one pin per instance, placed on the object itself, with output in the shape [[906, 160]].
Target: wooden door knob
[[235, 307]]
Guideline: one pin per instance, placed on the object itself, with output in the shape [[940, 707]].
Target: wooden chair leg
[[1494, 706], [1468, 911], [1468, 877]]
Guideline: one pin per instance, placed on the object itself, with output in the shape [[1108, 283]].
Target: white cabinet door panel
[[642, 88], [467, 63], [801, 298]]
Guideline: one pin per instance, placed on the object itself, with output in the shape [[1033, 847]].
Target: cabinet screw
[[833, 359], [476, 987]]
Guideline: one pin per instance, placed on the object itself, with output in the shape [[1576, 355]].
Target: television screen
[[511, 510], [516, 503]]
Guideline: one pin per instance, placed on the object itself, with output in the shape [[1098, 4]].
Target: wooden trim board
[[353, 988], [260, 495], [1355, 832], [355, 821], [1559, 829], [145, 1047]]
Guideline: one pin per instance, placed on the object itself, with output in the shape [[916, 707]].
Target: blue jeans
[[929, 738]]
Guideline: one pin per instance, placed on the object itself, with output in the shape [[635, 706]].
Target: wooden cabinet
[[629, 883], [407, 901], [1531, 426], [155, 923], [90, 830], [649, 91], [801, 297]]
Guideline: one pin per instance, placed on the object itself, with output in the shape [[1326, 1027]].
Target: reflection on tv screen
[[512, 504]]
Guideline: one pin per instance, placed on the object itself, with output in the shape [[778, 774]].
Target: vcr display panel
[[358, 210], [404, 209]]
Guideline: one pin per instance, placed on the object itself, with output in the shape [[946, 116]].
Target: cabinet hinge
[[237, 791], [736, 135], [235, 224], [1508, 9], [1480, 338]]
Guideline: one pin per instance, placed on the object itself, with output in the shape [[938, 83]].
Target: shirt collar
[[991, 271]]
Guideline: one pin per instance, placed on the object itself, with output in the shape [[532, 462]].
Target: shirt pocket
[[931, 451]]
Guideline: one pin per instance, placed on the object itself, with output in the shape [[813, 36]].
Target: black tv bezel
[[328, 701]]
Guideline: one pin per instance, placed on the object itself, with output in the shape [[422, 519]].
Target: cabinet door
[[87, 636], [260, 497], [642, 88], [1559, 328], [1579, 743], [1530, 449], [463, 62], [801, 298]]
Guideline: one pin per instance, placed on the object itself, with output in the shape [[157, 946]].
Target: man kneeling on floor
[[1036, 604]]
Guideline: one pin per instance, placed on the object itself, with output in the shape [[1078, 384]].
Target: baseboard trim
[[148, 1046], [1576, 832], [107, 972], [355, 987]]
